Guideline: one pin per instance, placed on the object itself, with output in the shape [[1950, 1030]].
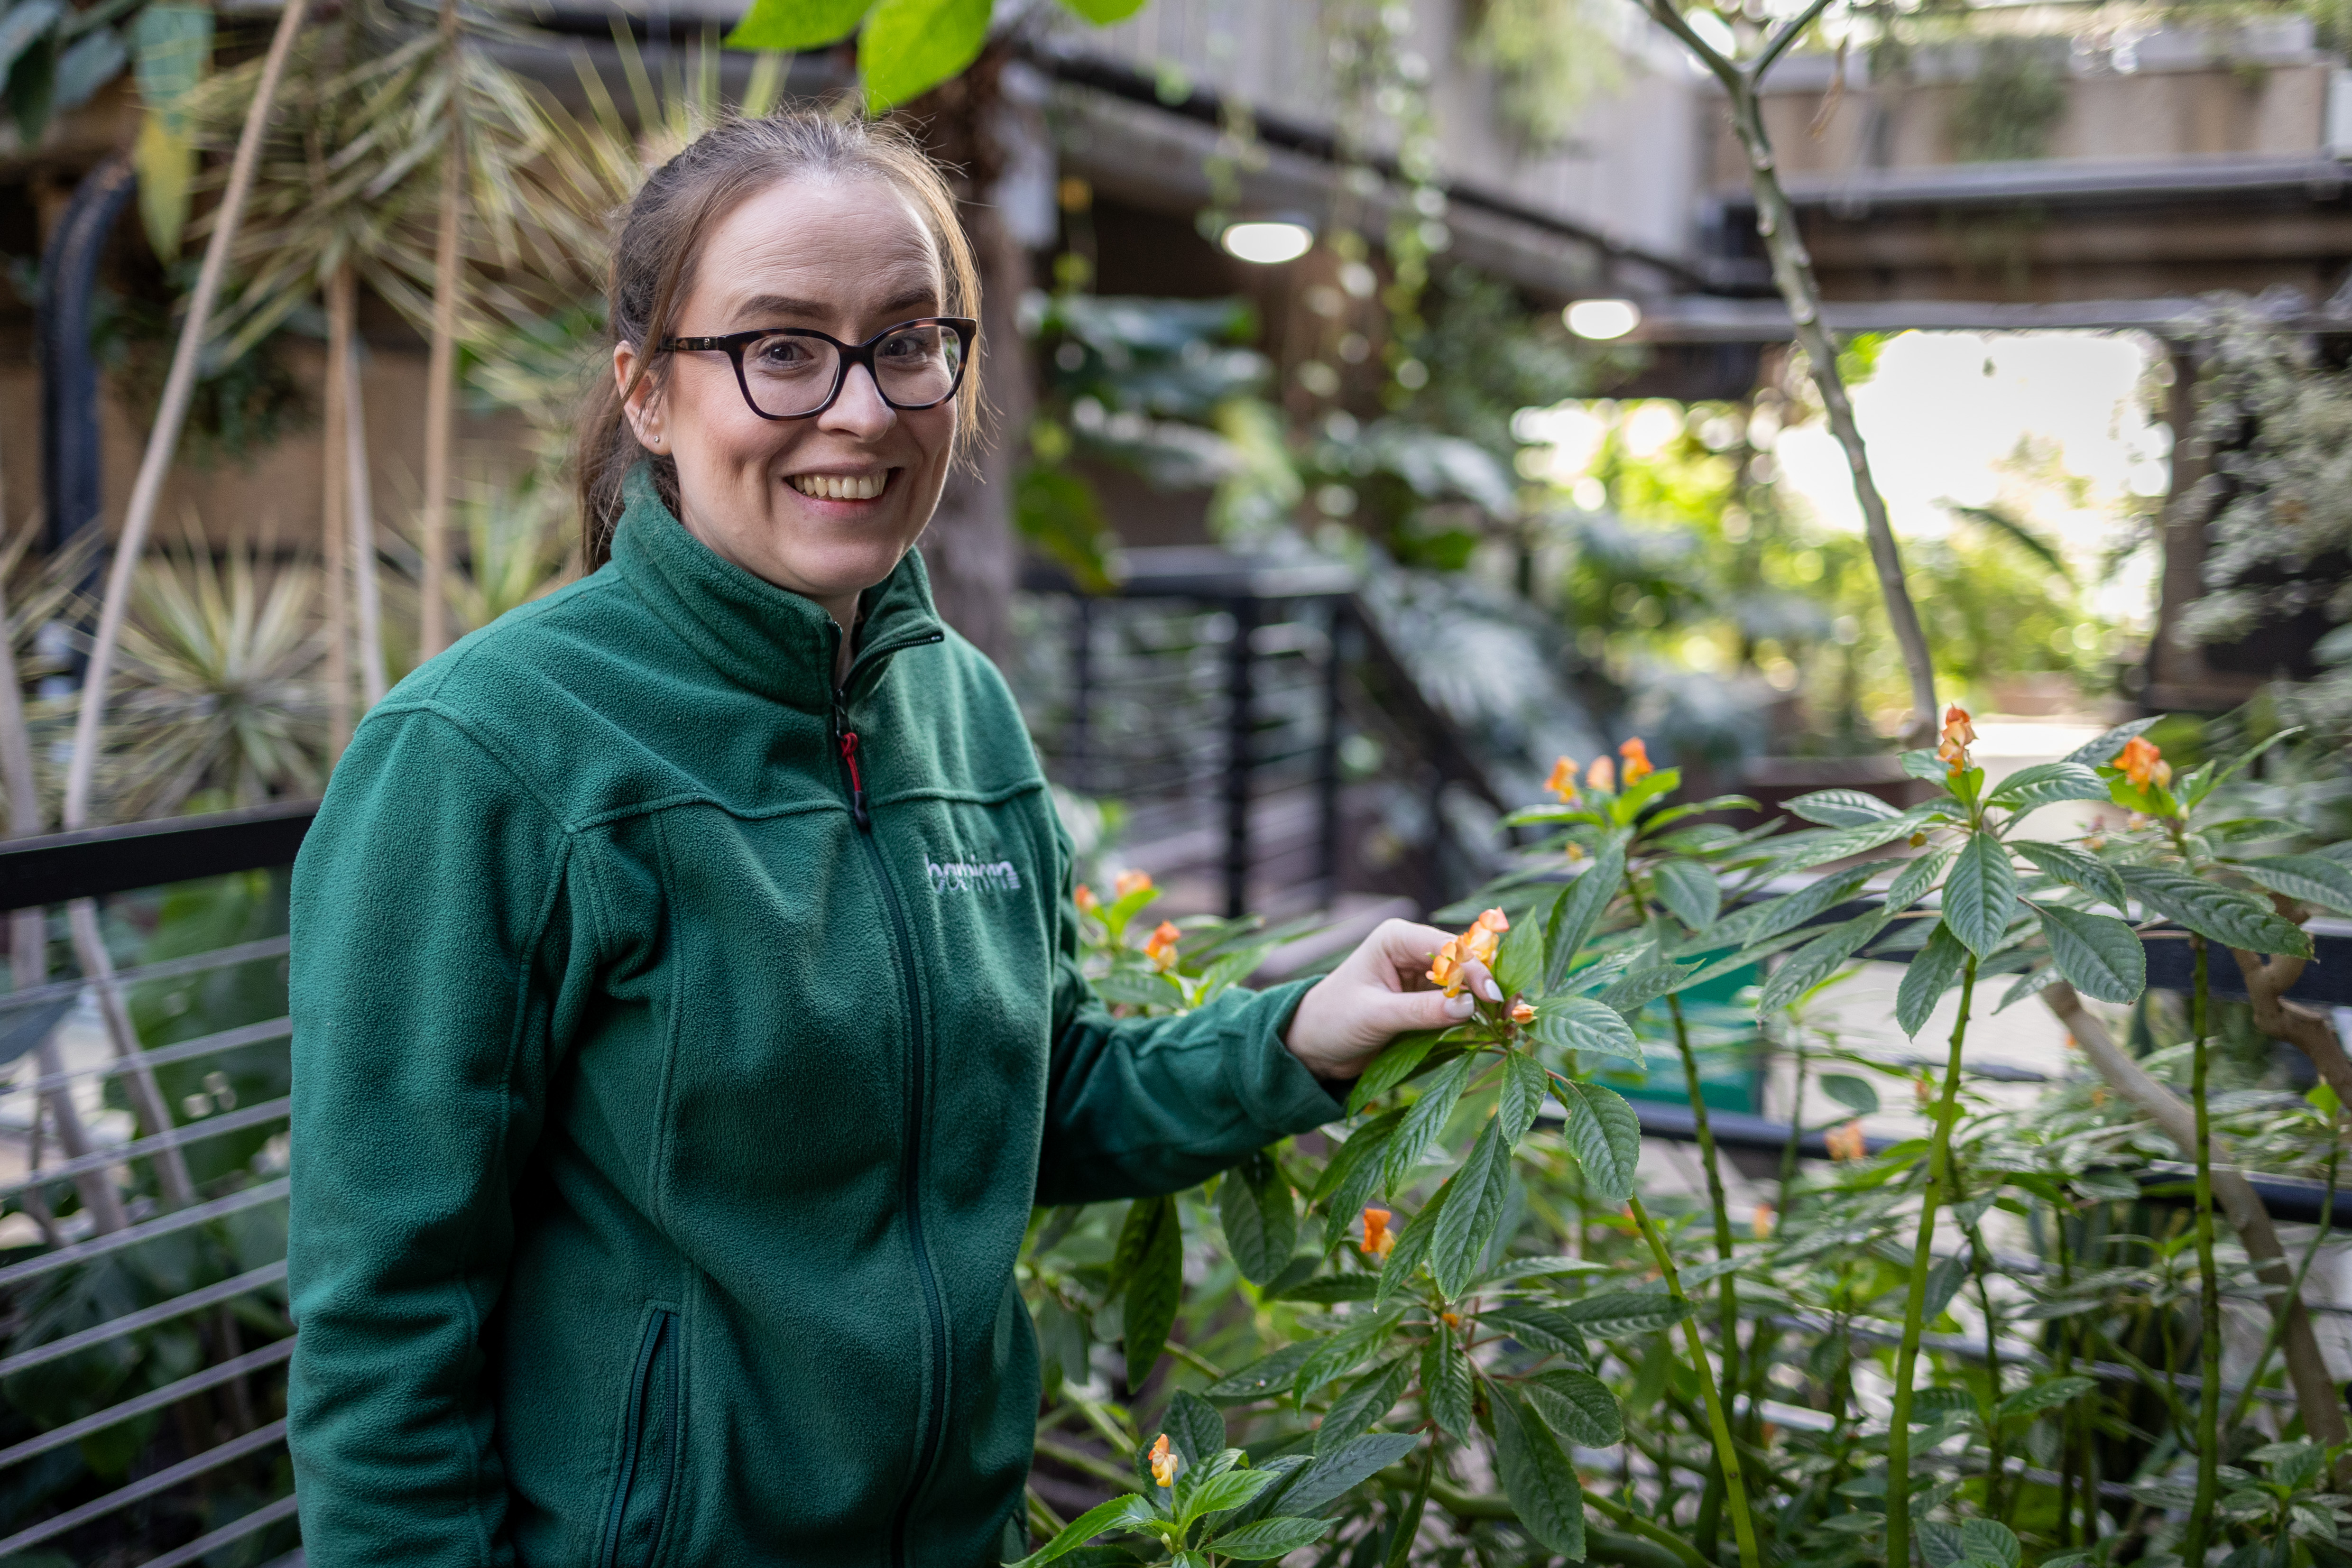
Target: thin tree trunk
[[28, 942], [2314, 1393], [1792, 273], [365, 594], [2268, 980], [146, 1094], [335, 520], [171, 415], [441, 369]]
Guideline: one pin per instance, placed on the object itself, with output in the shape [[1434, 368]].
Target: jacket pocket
[[649, 1450]]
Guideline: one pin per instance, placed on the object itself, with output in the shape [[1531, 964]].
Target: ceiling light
[[1602, 319], [1268, 241]]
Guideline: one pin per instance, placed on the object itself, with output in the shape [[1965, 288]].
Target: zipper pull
[[857, 788]]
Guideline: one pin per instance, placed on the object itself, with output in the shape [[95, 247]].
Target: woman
[[667, 1120]]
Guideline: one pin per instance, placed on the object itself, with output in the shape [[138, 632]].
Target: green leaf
[[1156, 1287], [2216, 913], [2311, 879], [1632, 993], [1820, 958], [1446, 1388], [1121, 1512], [173, 43], [1690, 890], [1329, 1288], [2077, 869], [1412, 1246], [1518, 967], [796, 25], [1538, 1327], [1525, 1084], [1917, 877], [1103, 13], [1467, 1222], [167, 163], [1939, 1543], [1423, 1124], [1804, 853], [22, 24], [1640, 793], [2045, 783], [1538, 1478], [1617, 1314], [2101, 752], [32, 88], [1268, 1375], [1269, 1537], [1843, 808], [1261, 1223], [1217, 1493], [1582, 1023], [1927, 977], [1924, 765], [1347, 1182], [1989, 1541], [1579, 1406], [1856, 1094], [1605, 1137], [2047, 1394], [2100, 956], [1365, 1403], [910, 46], [1194, 1428], [1336, 1355], [1578, 912], [1944, 1282], [1980, 894], [1335, 1474], [1390, 1068], [1756, 922]]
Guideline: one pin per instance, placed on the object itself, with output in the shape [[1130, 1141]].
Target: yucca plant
[[219, 684]]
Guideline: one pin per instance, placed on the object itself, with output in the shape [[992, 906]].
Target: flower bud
[[1637, 761], [1127, 882], [1161, 947], [1084, 897], [1163, 1462], [1562, 783], [1379, 1240]]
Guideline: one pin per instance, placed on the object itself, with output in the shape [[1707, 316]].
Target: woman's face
[[848, 257]]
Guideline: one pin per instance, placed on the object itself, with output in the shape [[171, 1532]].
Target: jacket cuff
[[1284, 1097]]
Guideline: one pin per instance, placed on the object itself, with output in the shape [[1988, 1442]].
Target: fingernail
[[1494, 992], [1459, 1007]]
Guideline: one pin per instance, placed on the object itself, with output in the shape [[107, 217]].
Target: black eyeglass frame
[[733, 345]]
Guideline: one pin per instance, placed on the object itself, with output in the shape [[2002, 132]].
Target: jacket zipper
[[911, 1165], [633, 1433]]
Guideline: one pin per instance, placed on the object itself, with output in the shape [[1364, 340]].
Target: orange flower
[[1451, 1320], [1445, 967], [1127, 882], [1163, 1462], [1379, 1240], [1602, 776], [2143, 763], [1084, 897], [1762, 1222], [1161, 949], [1957, 733], [1562, 782], [1523, 1013], [1637, 761], [1575, 853], [1846, 1142], [1475, 945]]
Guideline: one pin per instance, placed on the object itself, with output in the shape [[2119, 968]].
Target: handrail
[[115, 1241], [162, 1480], [237, 1529], [162, 969], [170, 1394], [244, 1284], [161, 1056], [175, 1137], [95, 861]]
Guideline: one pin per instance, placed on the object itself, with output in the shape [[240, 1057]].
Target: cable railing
[[104, 1314]]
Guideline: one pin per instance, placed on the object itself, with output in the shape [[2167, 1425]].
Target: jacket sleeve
[[433, 937], [1137, 1107]]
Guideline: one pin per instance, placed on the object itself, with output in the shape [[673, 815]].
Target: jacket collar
[[765, 638]]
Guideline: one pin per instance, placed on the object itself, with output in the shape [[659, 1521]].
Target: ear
[[642, 405]]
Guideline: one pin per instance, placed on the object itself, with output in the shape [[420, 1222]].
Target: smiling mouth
[[840, 487]]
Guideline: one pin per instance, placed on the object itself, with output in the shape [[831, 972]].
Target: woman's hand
[[1382, 991]]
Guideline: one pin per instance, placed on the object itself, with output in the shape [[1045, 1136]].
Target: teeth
[[862, 487]]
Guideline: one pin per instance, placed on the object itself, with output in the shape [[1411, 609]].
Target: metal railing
[[91, 1304]]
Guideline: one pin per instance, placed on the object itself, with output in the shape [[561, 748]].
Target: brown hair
[[659, 246]]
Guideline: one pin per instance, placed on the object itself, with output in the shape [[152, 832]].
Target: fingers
[[1482, 981], [1409, 946]]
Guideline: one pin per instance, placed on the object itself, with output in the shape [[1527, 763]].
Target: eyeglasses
[[797, 373]]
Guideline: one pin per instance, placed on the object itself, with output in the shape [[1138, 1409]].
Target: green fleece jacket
[[681, 1045]]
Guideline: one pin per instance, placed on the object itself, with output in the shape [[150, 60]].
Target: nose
[[859, 410]]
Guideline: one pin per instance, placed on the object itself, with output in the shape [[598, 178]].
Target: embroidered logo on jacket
[[965, 877]]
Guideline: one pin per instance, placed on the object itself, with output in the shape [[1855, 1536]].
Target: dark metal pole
[[1082, 682], [71, 459], [1327, 761], [1239, 703]]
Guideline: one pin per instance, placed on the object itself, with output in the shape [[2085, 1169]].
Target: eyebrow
[[773, 305]]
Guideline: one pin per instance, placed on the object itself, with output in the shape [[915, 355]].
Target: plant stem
[[2065, 1366], [1994, 1472], [1907, 1356], [2208, 1287], [2279, 1321], [1718, 1419]]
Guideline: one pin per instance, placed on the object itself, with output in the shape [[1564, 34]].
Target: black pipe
[[71, 472]]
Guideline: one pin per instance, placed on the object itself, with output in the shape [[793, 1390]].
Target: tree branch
[[2267, 982], [1782, 40], [2316, 1395]]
